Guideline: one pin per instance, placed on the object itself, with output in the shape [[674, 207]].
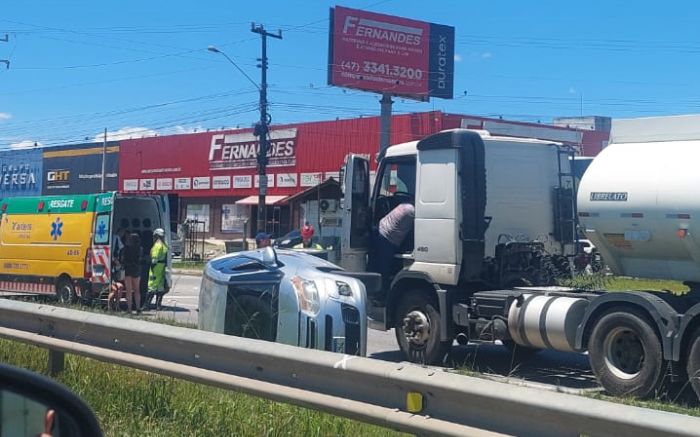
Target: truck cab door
[[355, 213]]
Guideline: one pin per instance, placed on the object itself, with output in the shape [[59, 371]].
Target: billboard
[[78, 169], [388, 54], [20, 172]]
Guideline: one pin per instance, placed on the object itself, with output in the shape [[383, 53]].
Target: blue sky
[[77, 67]]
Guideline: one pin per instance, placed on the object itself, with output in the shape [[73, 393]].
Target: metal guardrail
[[368, 390]]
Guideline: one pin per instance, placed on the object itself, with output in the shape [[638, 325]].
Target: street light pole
[[262, 128]]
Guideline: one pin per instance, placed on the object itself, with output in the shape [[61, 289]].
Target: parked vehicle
[[63, 245], [288, 240], [285, 296], [176, 244], [495, 213]]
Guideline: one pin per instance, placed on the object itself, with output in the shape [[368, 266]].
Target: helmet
[[307, 231], [159, 233]]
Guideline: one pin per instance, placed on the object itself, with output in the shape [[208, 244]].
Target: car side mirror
[[34, 405], [269, 257]]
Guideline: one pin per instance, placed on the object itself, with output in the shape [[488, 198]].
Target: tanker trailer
[[638, 203]]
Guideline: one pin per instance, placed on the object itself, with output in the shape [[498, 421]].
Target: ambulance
[[63, 246]]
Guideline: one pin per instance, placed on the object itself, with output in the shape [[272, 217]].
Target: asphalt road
[[550, 369]]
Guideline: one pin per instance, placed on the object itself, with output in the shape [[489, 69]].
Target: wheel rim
[[64, 293], [624, 353], [416, 328]]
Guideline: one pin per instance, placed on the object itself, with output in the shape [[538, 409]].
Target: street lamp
[[213, 49], [261, 130]]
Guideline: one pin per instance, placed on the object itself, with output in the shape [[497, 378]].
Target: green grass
[[622, 283], [654, 404], [130, 402]]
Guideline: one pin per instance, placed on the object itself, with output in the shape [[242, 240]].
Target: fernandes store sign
[[241, 150]]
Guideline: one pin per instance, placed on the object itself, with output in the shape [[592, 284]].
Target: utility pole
[[262, 128], [104, 158], [5, 61]]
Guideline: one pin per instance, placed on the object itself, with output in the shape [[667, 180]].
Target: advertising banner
[[20, 172], [78, 169], [388, 54]]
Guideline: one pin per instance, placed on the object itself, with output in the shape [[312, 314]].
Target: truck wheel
[[625, 354], [65, 291], [418, 329], [693, 367]]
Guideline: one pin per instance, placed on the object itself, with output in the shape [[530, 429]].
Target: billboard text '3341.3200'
[[388, 54]]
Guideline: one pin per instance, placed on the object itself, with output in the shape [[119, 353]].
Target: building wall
[[77, 169], [20, 172], [304, 155], [219, 168]]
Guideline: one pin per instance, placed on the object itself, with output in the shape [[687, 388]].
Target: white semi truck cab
[[495, 226]]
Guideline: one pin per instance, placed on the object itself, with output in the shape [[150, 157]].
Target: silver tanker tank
[[639, 201]]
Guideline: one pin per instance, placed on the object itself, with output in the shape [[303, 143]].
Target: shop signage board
[[240, 150], [286, 180], [270, 180], [164, 184], [77, 169], [221, 182], [20, 172]]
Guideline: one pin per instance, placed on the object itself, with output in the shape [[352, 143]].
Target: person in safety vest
[[156, 277], [307, 234]]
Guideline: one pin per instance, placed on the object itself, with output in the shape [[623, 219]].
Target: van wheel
[[65, 291], [418, 329], [693, 367], [626, 356]]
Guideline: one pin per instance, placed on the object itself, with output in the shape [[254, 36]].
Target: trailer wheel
[[418, 329], [65, 291], [693, 367], [626, 355]]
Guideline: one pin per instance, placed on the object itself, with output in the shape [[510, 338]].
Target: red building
[[214, 173]]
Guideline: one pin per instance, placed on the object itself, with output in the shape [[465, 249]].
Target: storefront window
[[233, 218], [199, 213]]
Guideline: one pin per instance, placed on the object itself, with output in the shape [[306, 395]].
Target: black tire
[[65, 291], [626, 355], [693, 365], [420, 313], [252, 318]]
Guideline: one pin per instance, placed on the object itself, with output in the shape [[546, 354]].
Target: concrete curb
[[187, 272]]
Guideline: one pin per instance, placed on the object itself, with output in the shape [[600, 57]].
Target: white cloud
[[5, 116], [187, 129], [458, 57], [486, 55], [125, 133], [26, 144]]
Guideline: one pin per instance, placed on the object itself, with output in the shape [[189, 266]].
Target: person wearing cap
[[307, 234], [262, 239], [156, 277]]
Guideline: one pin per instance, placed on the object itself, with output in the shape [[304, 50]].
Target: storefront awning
[[253, 200]]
